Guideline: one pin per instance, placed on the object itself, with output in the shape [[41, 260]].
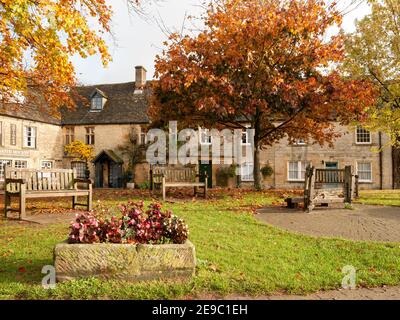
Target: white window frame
[[69, 134], [20, 164], [299, 167], [44, 163], [13, 134], [300, 142], [32, 137], [246, 139], [357, 135], [97, 103], [143, 137], [357, 166], [90, 136], [3, 164], [205, 133], [247, 176]]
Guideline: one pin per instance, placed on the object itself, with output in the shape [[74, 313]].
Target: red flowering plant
[[85, 229], [136, 225]]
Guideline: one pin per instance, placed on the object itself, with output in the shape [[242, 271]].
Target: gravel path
[[384, 293], [365, 222]]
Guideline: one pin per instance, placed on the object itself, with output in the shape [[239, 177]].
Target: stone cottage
[[31, 138]]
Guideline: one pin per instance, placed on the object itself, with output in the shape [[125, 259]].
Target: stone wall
[[108, 136], [345, 151], [49, 143]]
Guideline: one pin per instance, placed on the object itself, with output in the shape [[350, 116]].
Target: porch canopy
[[108, 167]]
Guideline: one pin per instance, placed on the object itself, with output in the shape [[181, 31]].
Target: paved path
[[42, 219], [366, 222], [385, 293]]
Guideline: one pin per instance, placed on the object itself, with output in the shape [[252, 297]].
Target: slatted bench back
[[326, 176], [41, 180], [175, 174]]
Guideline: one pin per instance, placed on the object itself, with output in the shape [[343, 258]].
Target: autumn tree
[[373, 52], [37, 39], [80, 151], [266, 63]]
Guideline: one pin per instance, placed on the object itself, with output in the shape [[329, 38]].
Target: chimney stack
[[140, 80]]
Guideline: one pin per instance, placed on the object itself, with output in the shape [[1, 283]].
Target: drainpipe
[[380, 161]]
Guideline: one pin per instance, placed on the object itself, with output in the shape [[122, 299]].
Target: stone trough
[[128, 262]]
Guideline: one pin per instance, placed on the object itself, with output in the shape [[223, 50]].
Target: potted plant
[[267, 171]]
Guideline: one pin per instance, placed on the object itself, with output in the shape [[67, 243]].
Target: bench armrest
[[10, 180], [89, 181]]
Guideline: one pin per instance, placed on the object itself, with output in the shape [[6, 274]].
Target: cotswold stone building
[[109, 114], [30, 138]]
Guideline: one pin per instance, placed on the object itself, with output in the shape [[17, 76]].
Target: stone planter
[[126, 262]]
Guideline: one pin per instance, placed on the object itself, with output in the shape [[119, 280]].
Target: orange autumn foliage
[[266, 63], [37, 40]]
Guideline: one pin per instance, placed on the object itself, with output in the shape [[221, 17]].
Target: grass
[[236, 255], [380, 197]]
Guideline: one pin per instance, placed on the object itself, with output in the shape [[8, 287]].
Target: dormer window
[[97, 100], [97, 103]]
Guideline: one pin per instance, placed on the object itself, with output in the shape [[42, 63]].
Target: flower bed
[[140, 245]]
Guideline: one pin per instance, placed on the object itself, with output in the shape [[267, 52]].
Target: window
[[245, 138], [97, 103], [69, 135], [246, 171], [300, 142], [205, 136], [20, 164], [80, 168], [30, 137], [364, 171], [363, 136], [297, 170], [13, 134], [47, 165], [3, 164], [143, 137], [90, 135]]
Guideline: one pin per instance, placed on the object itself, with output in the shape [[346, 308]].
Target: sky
[[137, 40]]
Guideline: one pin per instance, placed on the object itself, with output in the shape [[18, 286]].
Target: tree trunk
[[258, 185]]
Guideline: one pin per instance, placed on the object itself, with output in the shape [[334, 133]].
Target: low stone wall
[[126, 262]]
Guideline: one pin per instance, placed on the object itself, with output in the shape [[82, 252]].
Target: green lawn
[[236, 254], [380, 197]]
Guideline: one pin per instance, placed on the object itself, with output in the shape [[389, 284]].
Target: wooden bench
[[28, 183], [327, 186], [175, 177]]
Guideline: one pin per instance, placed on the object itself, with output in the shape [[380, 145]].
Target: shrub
[[144, 185], [267, 170], [136, 225], [224, 173]]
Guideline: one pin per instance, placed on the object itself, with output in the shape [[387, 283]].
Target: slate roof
[[110, 154], [29, 112], [123, 106]]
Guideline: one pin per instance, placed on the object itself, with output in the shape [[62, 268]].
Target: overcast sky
[[138, 40]]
